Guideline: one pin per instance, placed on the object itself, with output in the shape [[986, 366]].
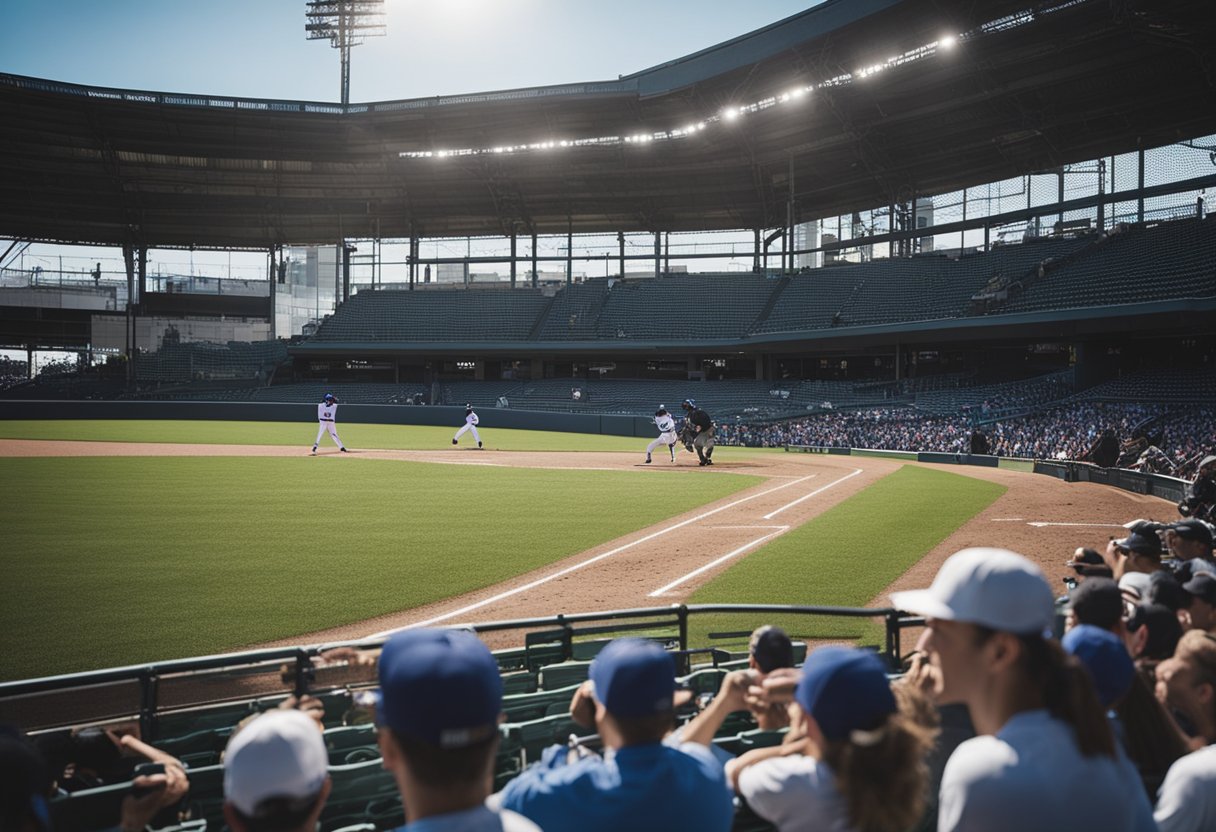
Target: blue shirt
[[477, 819], [639, 788]]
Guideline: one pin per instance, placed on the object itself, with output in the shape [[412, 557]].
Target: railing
[[139, 690]]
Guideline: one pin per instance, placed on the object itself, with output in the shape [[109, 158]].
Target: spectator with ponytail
[[854, 759], [1045, 757]]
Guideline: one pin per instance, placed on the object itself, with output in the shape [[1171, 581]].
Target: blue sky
[[257, 48]]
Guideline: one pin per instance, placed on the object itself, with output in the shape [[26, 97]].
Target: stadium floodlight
[[730, 113], [947, 42], [344, 23]]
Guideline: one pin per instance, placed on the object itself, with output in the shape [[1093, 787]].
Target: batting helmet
[[329, 397], [689, 404]]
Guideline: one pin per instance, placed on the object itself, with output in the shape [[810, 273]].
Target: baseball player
[[703, 444], [327, 411], [667, 433], [470, 423]]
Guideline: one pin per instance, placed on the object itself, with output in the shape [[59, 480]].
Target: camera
[[145, 770]]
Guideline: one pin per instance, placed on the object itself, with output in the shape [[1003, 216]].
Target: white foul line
[[694, 573], [773, 514], [507, 594], [1040, 524]]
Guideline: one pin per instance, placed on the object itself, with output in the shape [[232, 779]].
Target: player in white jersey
[[470, 423], [327, 412], [667, 433]]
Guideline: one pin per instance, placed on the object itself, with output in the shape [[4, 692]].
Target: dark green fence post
[[682, 617], [893, 639], [147, 705]]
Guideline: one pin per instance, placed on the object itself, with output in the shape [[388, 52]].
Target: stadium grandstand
[[925, 230]]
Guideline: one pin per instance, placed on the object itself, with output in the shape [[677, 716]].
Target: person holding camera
[[1200, 501], [642, 783], [276, 774]]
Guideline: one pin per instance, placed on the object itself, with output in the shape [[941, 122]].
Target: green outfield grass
[[109, 561], [847, 555]]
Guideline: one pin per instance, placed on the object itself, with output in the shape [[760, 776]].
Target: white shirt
[[471, 418], [1032, 776], [327, 412], [664, 423], [795, 793], [1187, 800]]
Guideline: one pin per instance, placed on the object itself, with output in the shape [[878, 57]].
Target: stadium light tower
[[344, 23]]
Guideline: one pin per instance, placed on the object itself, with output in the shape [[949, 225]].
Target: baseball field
[[137, 541]]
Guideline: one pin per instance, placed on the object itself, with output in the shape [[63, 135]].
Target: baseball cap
[[278, 755], [1097, 601], [328, 396], [1164, 629], [995, 588], [1142, 539], [439, 686], [1193, 529], [1164, 589], [1134, 586], [1087, 556], [690, 402], [634, 677], [1203, 587], [1104, 655], [771, 648], [845, 690]]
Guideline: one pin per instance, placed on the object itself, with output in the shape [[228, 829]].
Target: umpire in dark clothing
[[703, 442]]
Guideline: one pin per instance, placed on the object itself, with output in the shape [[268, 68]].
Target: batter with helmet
[[703, 426], [327, 412], [667, 433]]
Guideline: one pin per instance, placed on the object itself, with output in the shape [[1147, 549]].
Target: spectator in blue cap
[[640, 784], [1139, 721], [862, 761], [1046, 758], [438, 712], [1105, 657]]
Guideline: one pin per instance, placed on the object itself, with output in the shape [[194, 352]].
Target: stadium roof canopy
[[888, 111]]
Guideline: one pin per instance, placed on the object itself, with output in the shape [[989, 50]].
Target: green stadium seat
[[527, 706], [555, 676], [538, 734]]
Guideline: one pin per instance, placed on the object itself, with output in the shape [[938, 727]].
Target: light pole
[[344, 23]]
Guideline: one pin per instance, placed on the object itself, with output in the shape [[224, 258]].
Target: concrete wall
[[380, 414]]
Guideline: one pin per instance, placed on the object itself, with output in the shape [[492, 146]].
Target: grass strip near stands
[[110, 561], [845, 556], [302, 434]]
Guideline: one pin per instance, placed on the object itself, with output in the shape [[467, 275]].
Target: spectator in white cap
[[1045, 758], [276, 776], [439, 709]]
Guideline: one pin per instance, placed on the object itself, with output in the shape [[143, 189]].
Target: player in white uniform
[[327, 411], [667, 433], [470, 423]]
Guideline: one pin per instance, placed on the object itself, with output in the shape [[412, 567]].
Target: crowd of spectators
[[1067, 432], [11, 372], [1018, 710]]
